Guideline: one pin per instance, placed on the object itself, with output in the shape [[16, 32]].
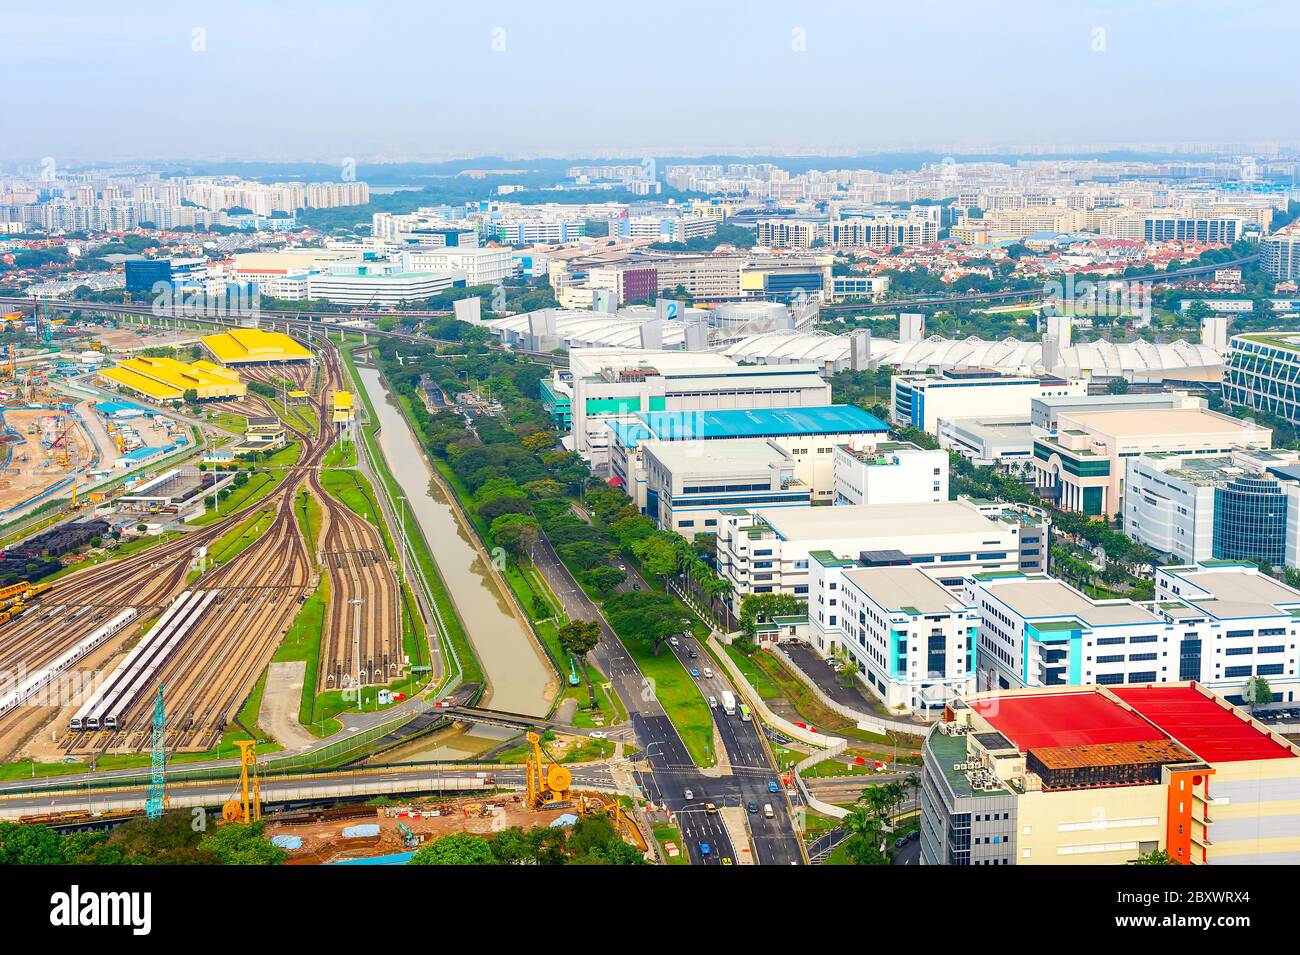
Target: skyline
[[460, 83]]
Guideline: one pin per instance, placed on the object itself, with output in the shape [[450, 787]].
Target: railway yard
[[206, 632]]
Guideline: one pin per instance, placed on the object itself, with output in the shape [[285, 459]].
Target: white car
[[708, 674], [675, 642], [598, 734], [713, 702]]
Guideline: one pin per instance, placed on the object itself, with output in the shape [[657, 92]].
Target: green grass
[[285, 457], [759, 680], [833, 767], [234, 542], [229, 421], [580, 750], [681, 699], [307, 510], [671, 834], [259, 485], [342, 455]]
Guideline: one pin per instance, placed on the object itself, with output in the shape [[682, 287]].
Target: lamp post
[[356, 643]]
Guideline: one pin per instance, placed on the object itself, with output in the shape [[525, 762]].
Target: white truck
[[728, 702]]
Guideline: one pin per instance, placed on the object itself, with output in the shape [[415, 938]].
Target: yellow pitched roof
[[252, 344]]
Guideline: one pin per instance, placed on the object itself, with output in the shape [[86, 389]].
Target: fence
[[865, 721]]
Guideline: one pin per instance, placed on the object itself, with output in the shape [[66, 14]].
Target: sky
[[406, 80]]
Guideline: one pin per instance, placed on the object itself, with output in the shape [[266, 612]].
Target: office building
[[1218, 623], [1263, 373], [1082, 468], [999, 441], [481, 266], [1212, 230], [922, 400], [1102, 776], [767, 550], [1240, 506]]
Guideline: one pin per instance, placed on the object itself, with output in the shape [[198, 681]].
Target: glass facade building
[[1250, 520]]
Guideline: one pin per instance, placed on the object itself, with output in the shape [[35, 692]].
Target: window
[[1236, 671]]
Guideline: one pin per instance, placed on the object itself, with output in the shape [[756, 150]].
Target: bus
[[744, 713]]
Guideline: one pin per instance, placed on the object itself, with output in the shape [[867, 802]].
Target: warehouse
[[166, 379], [252, 346]]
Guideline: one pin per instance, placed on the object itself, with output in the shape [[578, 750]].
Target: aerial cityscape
[[651, 480]]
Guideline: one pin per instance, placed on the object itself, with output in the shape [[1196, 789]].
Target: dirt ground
[[128, 340], [32, 468], [319, 838]]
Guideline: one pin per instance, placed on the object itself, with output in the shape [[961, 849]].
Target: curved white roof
[[1101, 358]]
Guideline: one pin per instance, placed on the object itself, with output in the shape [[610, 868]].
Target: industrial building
[[889, 472], [166, 379], [1081, 466], [998, 441], [1217, 622], [608, 385], [252, 346], [922, 400], [911, 639], [685, 486], [808, 435], [1244, 505], [767, 550], [1100, 776], [179, 492]]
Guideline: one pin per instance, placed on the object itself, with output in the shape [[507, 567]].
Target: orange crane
[[61, 442]]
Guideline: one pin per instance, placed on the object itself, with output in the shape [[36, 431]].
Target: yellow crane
[[248, 807], [548, 787]]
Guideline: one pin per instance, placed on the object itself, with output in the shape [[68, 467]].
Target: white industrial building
[[807, 435], [912, 639], [378, 284], [922, 400], [1219, 624], [602, 385], [1001, 441], [767, 550], [481, 266], [889, 472]]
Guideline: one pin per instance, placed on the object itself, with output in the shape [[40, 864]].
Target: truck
[[728, 702]]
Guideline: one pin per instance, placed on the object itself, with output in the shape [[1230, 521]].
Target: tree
[[238, 844], [1257, 691], [657, 555], [30, 845], [1117, 386], [459, 848], [755, 608], [604, 579], [517, 533], [578, 638], [1154, 857]]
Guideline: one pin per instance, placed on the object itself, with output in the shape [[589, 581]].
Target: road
[[672, 771]]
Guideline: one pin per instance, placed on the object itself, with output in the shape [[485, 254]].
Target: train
[[114, 697], [37, 681]]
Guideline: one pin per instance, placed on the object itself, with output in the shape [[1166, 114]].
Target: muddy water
[[521, 680]]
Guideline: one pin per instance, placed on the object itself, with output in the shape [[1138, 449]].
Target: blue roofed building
[[803, 438]]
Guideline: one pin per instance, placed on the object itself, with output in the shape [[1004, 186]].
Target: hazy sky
[[398, 79]]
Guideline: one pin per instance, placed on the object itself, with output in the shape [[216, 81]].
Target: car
[[768, 812], [752, 807], [773, 787], [713, 702], [636, 586], [675, 642], [711, 809], [689, 795], [705, 848], [598, 734], [708, 673], [691, 653], [695, 672], [900, 842]]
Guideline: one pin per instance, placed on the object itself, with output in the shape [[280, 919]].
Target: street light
[[356, 643]]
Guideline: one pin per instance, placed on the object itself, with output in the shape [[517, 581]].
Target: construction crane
[[248, 807], [548, 789], [61, 442], [155, 795]]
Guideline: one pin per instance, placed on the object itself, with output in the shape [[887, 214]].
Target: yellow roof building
[[343, 407], [242, 346], [166, 379]]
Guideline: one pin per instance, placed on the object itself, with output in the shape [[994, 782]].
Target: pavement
[[281, 699]]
